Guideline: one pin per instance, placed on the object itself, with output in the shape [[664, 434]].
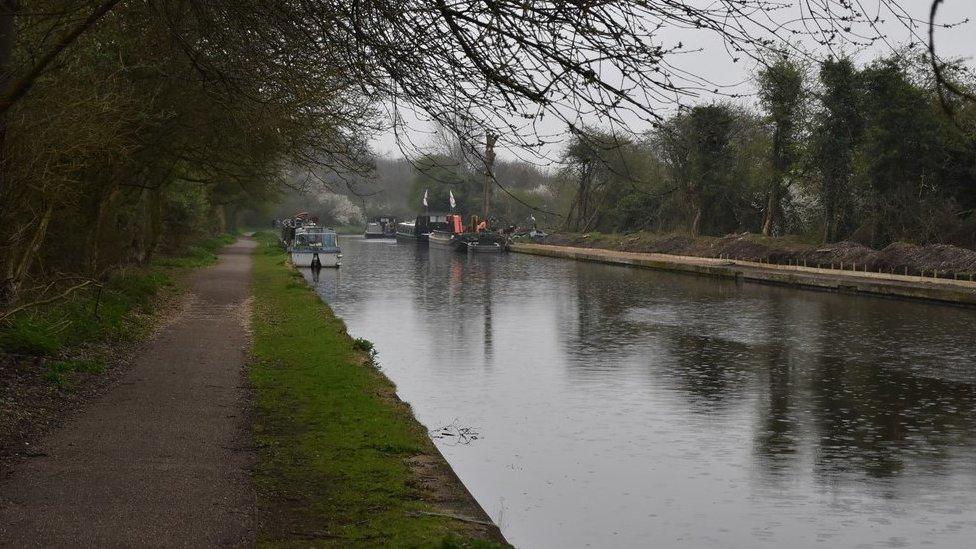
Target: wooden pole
[[490, 140]]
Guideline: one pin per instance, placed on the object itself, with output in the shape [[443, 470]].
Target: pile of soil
[[941, 260]]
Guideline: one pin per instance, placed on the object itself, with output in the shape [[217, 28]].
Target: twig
[[58, 297]]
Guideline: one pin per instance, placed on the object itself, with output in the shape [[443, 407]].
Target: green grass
[[200, 255], [121, 310], [333, 440], [58, 372]]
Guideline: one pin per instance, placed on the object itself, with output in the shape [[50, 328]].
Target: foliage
[[837, 131], [155, 128], [781, 95], [439, 175], [58, 372], [364, 345], [865, 153]]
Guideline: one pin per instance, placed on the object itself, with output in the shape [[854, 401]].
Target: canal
[[589, 405]]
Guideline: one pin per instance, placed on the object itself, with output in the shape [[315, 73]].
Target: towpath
[[162, 459]]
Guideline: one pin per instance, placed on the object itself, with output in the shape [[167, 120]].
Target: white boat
[[315, 246]]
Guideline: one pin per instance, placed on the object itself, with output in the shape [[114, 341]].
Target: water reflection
[[617, 406]]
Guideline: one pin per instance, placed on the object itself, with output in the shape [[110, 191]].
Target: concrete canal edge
[[957, 292], [341, 460]]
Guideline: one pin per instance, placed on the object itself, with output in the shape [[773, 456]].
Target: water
[[618, 407]]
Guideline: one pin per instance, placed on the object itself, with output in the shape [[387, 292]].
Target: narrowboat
[[486, 243], [374, 230], [419, 230], [456, 236], [381, 227], [315, 246], [450, 236]]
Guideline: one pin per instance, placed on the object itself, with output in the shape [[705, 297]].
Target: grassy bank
[[341, 460], [54, 354]]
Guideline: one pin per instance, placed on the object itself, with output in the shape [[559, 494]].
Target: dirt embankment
[[902, 258]]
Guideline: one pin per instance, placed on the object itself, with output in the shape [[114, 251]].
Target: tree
[[902, 150], [600, 166], [698, 150], [836, 134], [781, 94]]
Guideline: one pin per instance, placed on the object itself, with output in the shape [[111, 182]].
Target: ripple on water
[[616, 406]]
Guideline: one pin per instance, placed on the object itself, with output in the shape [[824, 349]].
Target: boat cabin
[[318, 238]]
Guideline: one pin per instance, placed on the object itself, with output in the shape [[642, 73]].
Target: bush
[[364, 345]]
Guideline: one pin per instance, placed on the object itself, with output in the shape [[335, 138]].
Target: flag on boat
[[451, 196], [425, 198]]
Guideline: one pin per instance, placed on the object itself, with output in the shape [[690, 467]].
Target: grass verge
[[335, 444]]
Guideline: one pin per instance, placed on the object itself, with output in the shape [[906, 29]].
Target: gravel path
[[163, 458]]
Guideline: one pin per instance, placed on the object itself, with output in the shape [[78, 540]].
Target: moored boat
[[315, 246], [374, 230], [407, 231], [419, 230], [449, 236], [381, 227], [475, 239], [487, 243]]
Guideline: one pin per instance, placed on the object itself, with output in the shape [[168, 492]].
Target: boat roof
[[313, 228]]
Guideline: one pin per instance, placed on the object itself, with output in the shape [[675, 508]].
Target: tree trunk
[[19, 260], [154, 228], [490, 140], [830, 218], [772, 210], [219, 213], [8, 31], [579, 203], [102, 210]]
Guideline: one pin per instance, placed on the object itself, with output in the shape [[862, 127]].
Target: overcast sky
[[714, 64]]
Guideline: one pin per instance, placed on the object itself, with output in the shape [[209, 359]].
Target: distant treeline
[[834, 152], [397, 186]]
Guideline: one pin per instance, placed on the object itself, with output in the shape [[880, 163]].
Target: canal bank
[[341, 460], [960, 292]]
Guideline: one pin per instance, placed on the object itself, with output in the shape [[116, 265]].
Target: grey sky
[[714, 64]]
